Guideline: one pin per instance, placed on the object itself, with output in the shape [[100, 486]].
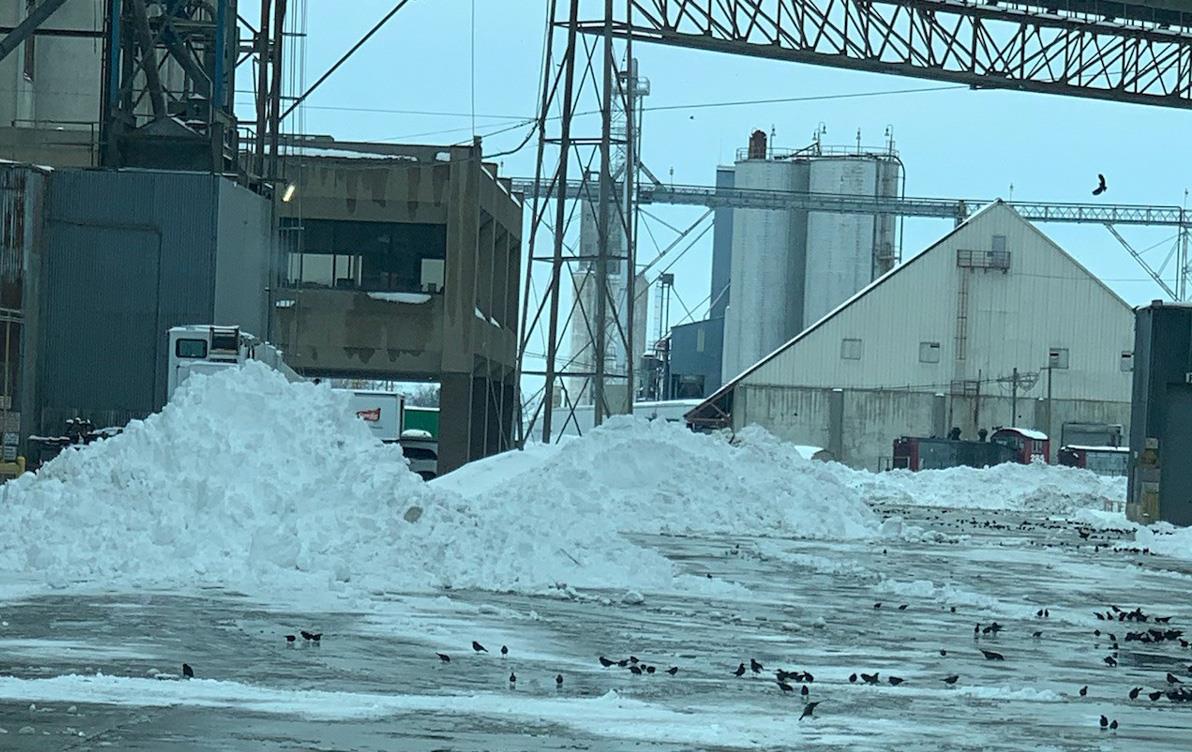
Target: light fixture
[[288, 194]]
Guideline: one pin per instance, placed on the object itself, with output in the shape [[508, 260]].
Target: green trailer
[[422, 419]]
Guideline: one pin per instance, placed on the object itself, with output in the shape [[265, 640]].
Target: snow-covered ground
[[252, 508]]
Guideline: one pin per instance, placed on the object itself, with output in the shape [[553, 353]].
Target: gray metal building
[[1160, 421], [695, 359], [123, 256]]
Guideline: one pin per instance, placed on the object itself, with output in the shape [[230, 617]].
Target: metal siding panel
[[92, 215], [244, 257]]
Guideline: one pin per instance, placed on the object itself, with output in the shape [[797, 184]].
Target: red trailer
[[1028, 444]]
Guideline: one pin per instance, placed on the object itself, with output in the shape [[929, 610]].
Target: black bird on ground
[[992, 656], [951, 679], [943, 652], [895, 680], [650, 669], [1173, 679], [1104, 722], [1155, 695], [512, 678], [870, 678], [606, 662], [902, 607], [673, 670], [478, 647], [1037, 634], [808, 710], [187, 671], [558, 680], [623, 662], [1110, 661], [1101, 187], [635, 670], [1134, 693], [807, 677], [316, 637], [1113, 725], [785, 687], [740, 670], [878, 604], [804, 691], [755, 666], [1084, 690], [290, 638], [305, 635], [633, 659], [504, 650], [852, 678], [443, 657]]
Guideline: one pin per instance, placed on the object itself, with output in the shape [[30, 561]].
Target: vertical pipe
[[115, 12], [629, 211], [608, 63], [1014, 398], [279, 38], [221, 42], [552, 343], [263, 91]]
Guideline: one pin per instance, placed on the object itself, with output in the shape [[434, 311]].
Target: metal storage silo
[[845, 252], [766, 287]]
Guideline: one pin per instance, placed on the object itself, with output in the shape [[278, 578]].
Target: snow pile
[[1037, 487], [1165, 540], [632, 475], [247, 480]]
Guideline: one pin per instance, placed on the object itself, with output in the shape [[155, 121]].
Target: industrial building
[[774, 272], [1160, 442], [993, 325], [404, 266], [50, 87], [98, 265]]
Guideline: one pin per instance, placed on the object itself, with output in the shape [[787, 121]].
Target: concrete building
[[50, 87], [993, 325], [406, 267]]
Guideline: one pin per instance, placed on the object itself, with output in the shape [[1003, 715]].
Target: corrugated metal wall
[[129, 254]]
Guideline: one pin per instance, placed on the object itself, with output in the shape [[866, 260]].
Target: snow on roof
[[1089, 448], [1029, 433]]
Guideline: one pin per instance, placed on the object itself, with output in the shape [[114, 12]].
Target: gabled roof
[[710, 403]]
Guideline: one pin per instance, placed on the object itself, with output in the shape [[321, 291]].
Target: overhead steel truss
[[902, 206], [1126, 52]]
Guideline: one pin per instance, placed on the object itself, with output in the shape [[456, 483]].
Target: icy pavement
[[78, 671]]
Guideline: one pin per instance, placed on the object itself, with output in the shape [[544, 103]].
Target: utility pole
[[1014, 399]]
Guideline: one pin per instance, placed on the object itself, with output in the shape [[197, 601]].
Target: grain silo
[[792, 267]]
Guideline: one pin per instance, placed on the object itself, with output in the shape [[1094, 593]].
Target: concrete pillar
[[455, 413], [836, 424], [939, 415]]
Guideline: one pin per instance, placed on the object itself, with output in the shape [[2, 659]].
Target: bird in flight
[[1101, 187]]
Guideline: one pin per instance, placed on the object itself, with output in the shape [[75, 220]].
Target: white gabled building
[[935, 344]]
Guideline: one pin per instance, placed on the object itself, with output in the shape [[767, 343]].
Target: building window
[[929, 352], [999, 244], [30, 45], [1127, 362], [191, 348], [850, 349], [699, 339], [1057, 357]]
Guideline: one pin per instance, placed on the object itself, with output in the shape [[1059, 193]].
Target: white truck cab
[[206, 349]]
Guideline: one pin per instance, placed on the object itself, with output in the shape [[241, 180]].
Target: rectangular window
[[850, 349], [1057, 357], [191, 348], [700, 339], [929, 352], [999, 244], [1127, 362]]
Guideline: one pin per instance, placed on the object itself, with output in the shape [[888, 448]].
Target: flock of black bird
[[785, 680]]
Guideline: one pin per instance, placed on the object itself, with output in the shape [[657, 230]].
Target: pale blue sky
[[957, 143]]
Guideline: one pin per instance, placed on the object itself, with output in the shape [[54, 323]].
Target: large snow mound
[[248, 481], [1051, 489], [659, 477]]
